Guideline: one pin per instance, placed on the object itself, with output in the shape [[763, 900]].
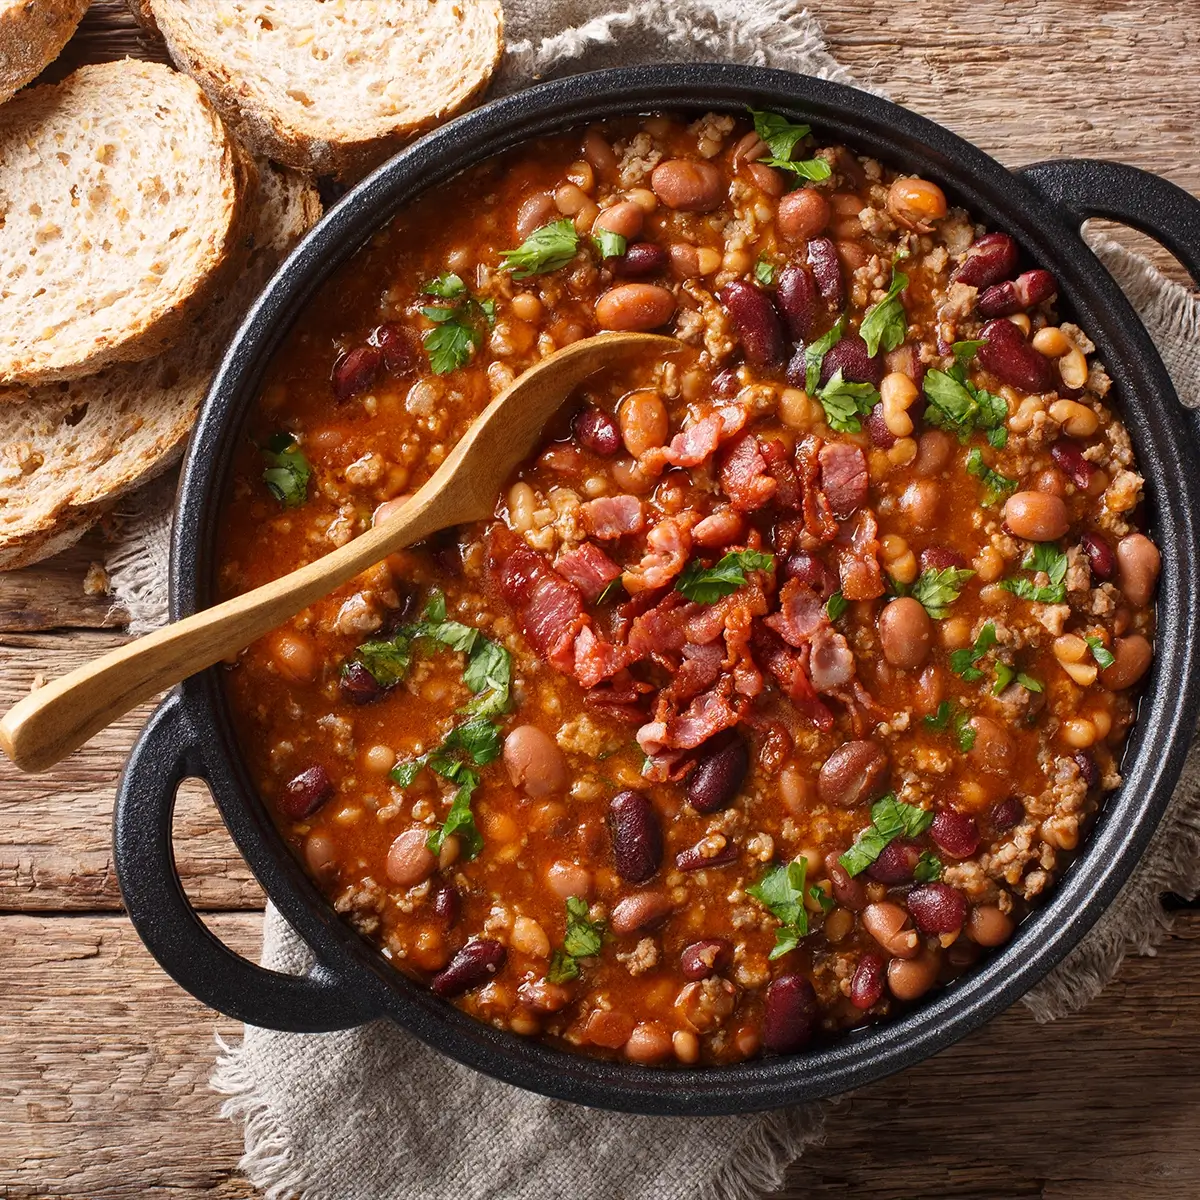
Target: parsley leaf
[[1048, 558], [962, 662], [886, 324], [965, 351], [705, 585], [287, 472], [814, 354], [450, 345], [928, 868], [781, 893], [958, 405], [1100, 652], [387, 661], [460, 821], [845, 402], [446, 286], [1028, 682], [764, 271], [950, 716], [937, 590], [488, 671], [583, 939], [544, 250], [997, 486], [782, 137], [836, 605], [818, 894], [479, 737], [890, 819], [609, 244], [940, 717], [456, 335]]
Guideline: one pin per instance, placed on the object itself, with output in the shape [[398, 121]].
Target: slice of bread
[[68, 450], [333, 86], [32, 33], [122, 199]]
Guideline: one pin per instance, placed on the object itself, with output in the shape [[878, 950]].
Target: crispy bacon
[[844, 477], [739, 661], [819, 522], [698, 671], [744, 477], [614, 516], [595, 659], [519, 571], [668, 545], [588, 568], [801, 613], [706, 715], [789, 667], [831, 661], [858, 563], [783, 471], [622, 697], [660, 630], [696, 443]]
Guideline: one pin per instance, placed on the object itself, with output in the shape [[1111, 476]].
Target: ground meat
[[642, 958]]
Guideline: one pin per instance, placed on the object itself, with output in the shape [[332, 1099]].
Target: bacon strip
[[744, 477], [614, 516], [696, 443], [858, 563], [819, 521], [588, 568], [844, 478]]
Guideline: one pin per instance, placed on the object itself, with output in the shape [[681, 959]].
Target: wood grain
[[104, 1061]]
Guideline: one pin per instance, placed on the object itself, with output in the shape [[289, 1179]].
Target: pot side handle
[[162, 915]]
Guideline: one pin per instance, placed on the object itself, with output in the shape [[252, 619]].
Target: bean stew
[[789, 672]]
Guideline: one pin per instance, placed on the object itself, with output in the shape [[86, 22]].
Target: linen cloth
[[370, 1113]]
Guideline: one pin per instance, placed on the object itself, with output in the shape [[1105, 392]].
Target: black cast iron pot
[[190, 735]]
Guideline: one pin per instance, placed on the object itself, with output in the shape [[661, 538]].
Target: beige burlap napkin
[[370, 1113]]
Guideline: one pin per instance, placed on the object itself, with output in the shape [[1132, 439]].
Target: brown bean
[[801, 215], [988, 926], [642, 417], [1138, 565], [790, 1014], [707, 957], [889, 925], [905, 633], [757, 322], [767, 178], [533, 213], [715, 781], [993, 749], [934, 448], [937, 908], [634, 307], [650, 1042], [355, 371], [409, 860], [624, 218], [1132, 655], [847, 891], [854, 773], [921, 502], [636, 832], [1036, 516], [474, 964], [639, 910], [305, 793], [688, 185], [916, 203], [535, 763], [641, 259], [911, 979]]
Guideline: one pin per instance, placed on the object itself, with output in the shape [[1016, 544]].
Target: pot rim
[[1167, 711]]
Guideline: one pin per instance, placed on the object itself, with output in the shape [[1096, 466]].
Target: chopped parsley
[[1100, 652], [1045, 557], [705, 585], [886, 324], [964, 351], [1005, 674], [937, 590], [782, 138], [446, 286], [957, 720], [460, 821], [479, 737], [819, 896], [836, 605], [583, 939], [928, 868], [457, 331], [488, 671], [781, 892], [546, 249], [608, 244], [962, 662], [764, 271], [890, 819], [287, 471], [844, 403], [387, 661], [959, 406], [612, 589], [996, 486], [814, 354]]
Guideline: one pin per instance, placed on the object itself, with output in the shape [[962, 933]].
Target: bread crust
[[32, 35]]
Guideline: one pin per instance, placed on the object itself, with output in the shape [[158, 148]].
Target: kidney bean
[[827, 269], [854, 773], [409, 859], [757, 322], [358, 685], [988, 926], [790, 1014], [937, 908], [1100, 555], [801, 215], [726, 385], [905, 633], [888, 924], [447, 903], [955, 833], [641, 259], [1006, 352], [398, 347], [851, 358], [474, 964], [866, 986], [716, 779], [709, 956], [639, 910], [797, 369], [596, 431], [535, 763], [809, 569], [1133, 655], [1017, 295], [909, 980], [635, 307], [896, 862], [688, 185], [880, 434], [847, 891], [1005, 815], [941, 558], [796, 297], [636, 832], [1036, 516], [1138, 565], [355, 371], [1068, 457], [305, 793], [695, 859], [989, 260]]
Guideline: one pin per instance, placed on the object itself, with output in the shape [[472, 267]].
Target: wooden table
[[104, 1062]]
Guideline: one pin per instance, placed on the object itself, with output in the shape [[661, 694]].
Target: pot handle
[[185, 948]]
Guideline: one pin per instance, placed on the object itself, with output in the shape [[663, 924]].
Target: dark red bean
[[847, 891], [896, 862], [796, 297], [716, 779], [474, 964], [955, 833], [1068, 457], [447, 903], [989, 260], [1100, 555], [941, 558], [867, 984], [880, 434], [726, 385], [637, 840], [303, 795], [1089, 771], [1007, 813], [641, 260], [808, 568], [850, 356], [937, 908], [694, 859], [757, 321], [790, 1013], [358, 685], [854, 773], [797, 369], [355, 372], [1022, 293], [1006, 352], [827, 269], [596, 431], [707, 957], [398, 347]]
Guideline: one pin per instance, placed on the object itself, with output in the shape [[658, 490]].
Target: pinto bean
[[641, 259], [790, 1014], [916, 203], [688, 185], [937, 908], [801, 215], [706, 957], [993, 748], [474, 964], [650, 1042], [826, 269], [1138, 565], [855, 772], [1006, 352], [639, 910], [596, 431], [535, 763], [988, 926], [704, 1005], [888, 924], [409, 860], [534, 212], [634, 307], [989, 260], [305, 793], [847, 891], [921, 501], [717, 778], [320, 854], [624, 218], [643, 420], [934, 448], [637, 839], [905, 633], [1100, 555], [1132, 655], [1036, 516], [866, 985], [294, 656], [911, 979], [757, 322], [567, 879], [796, 297]]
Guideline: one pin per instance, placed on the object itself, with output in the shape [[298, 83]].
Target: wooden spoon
[[48, 724]]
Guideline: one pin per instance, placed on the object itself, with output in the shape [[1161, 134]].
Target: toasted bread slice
[[32, 34], [333, 86], [123, 199], [68, 450]]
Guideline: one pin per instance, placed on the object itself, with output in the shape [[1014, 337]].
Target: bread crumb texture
[[32, 33]]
